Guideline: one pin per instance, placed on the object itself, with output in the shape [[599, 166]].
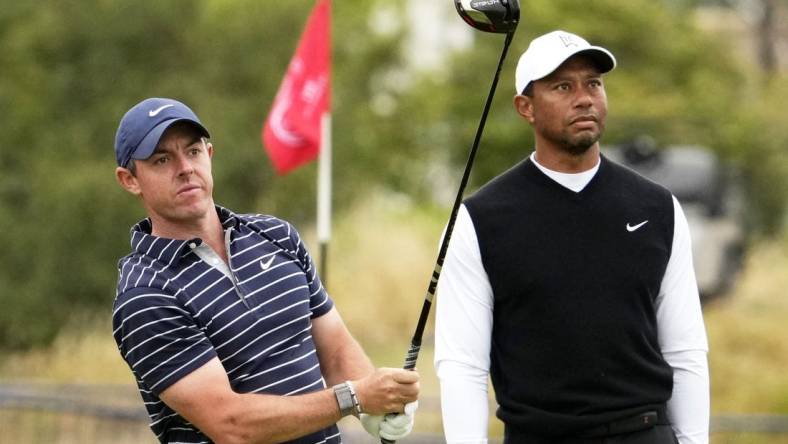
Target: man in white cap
[[222, 317], [569, 282]]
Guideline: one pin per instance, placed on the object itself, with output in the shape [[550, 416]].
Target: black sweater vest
[[574, 340]]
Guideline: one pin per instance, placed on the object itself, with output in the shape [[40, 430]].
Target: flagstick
[[324, 195]]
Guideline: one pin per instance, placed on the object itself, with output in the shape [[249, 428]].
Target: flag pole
[[324, 194]]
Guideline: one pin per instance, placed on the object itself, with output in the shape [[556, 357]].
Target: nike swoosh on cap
[[154, 112], [632, 228]]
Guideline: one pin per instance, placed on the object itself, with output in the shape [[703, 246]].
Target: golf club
[[497, 16]]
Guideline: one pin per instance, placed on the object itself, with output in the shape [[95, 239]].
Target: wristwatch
[[347, 399]]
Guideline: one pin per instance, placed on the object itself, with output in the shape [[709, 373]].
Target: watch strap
[[356, 404], [344, 395]]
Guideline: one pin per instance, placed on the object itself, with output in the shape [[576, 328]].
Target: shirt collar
[[574, 181], [168, 250]]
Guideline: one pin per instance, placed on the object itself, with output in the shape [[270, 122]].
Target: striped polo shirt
[[174, 312]]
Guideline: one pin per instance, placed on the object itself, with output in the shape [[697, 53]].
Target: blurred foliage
[[71, 68], [674, 82]]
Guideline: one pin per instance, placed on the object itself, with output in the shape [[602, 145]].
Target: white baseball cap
[[547, 52]]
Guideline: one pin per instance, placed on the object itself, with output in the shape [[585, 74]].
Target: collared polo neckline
[[167, 250]]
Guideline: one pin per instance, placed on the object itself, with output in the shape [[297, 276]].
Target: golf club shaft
[[415, 343]]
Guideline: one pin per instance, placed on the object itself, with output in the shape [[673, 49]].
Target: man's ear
[[127, 180], [524, 106]]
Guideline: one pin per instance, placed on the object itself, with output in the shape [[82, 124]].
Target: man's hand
[[387, 390], [393, 426]]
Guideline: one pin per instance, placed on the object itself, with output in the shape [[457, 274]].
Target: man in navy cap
[[569, 282], [222, 316]]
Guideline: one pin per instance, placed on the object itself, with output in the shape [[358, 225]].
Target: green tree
[[675, 82], [71, 69]]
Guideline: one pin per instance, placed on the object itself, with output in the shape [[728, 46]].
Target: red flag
[[291, 134]]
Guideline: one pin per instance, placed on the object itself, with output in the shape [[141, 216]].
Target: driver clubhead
[[499, 16]]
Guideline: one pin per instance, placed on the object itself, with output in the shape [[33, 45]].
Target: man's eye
[[161, 160]]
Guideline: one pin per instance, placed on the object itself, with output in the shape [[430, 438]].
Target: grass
[[747, 335], [381, 259]]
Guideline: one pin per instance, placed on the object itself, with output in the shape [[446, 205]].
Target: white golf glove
[[393, 426]]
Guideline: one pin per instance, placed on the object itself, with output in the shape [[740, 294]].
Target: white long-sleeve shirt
[[463, 333]]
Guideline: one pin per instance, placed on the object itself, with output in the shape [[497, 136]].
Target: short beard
[[580, 145]]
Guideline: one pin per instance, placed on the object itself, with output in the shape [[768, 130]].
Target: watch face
[[344, 399]]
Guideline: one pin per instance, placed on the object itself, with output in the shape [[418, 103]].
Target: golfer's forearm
[[348, 362], [254, 418], [340, 355]]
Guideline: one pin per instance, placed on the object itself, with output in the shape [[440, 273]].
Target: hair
[[529, 89], [132, 167]]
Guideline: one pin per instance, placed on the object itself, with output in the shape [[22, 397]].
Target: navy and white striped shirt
[[174, 312]]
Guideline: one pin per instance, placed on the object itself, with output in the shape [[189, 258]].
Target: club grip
[[412, 357], [410, 364]]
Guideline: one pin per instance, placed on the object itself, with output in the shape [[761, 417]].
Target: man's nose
[[185, 167], [582, 97]]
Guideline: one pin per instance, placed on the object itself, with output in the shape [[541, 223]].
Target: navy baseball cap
[[142, 126]]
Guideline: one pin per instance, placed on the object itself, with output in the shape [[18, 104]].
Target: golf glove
[[393, 426]]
